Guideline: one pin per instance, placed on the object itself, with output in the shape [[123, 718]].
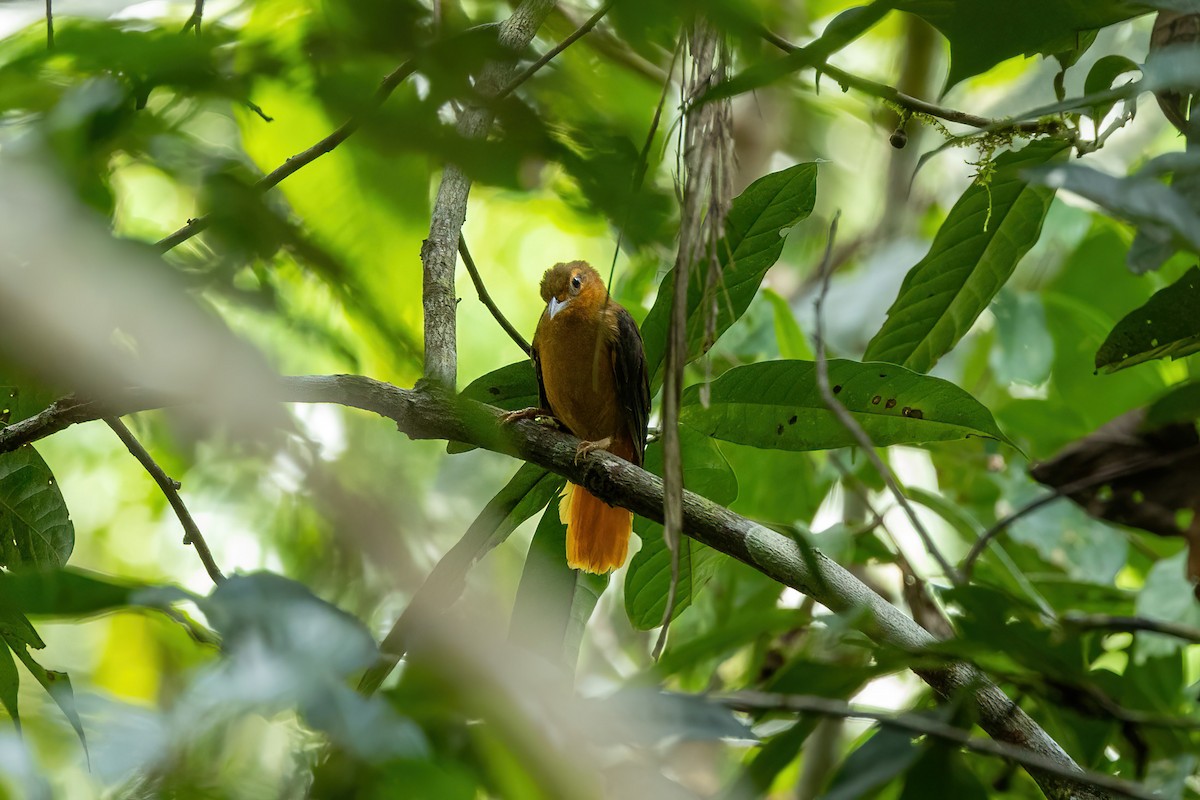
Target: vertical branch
[[439, 254], [49, 25], [194, 20], [706, 189]]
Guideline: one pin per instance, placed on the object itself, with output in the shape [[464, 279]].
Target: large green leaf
[[754, 235], [512, 387], [1167, 325], [776, 405], [554, 602], [35, 526], [983, 33], [976, 250], [648, 581], [74, 593], [1181, 404]]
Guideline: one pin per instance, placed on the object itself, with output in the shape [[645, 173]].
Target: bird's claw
[[525, 413], [587, 447]]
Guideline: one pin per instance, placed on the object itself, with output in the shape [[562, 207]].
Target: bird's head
[[564, 282]]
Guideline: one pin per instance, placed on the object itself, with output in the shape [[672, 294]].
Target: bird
[[590, 364]]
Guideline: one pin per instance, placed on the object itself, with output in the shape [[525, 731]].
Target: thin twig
[[49, 25], [895, 96], [1099, 479], [848, 421], [1130, 624], [579, 33], [194, 20], [170, 488], [925, 726], [486, 298], [306, 157]]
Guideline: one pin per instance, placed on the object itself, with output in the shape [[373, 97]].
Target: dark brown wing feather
[[631, 381], [543, 401]]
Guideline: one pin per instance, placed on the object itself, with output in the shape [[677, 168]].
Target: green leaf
[[976, 250], [773, 758], [10, 682], [648, 580], [942, 772], [788, 335], [983, 33], [1181, 404], [886, 755], [1101, 76], [754, 235], [1167, 216], [70, 592], [777, 405], [33, 515], [1167, 325], [58, 686], [554, 602], [511, 388]]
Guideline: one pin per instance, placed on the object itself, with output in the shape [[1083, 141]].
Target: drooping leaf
[[788, 335], [35, 526], [10, 682], [554, 602], [526, 493], [1167, 325], [982, 33], [648, 580], [58, 686], [885, 756], [976, 250], [1167, 217], [76, 593], [777, 405], [754, 235], [1101, 76]]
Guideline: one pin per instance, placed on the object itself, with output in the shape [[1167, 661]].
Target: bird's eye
[[576, 282]]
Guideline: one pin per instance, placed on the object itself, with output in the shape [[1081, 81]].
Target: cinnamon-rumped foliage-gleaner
[[591, 373]]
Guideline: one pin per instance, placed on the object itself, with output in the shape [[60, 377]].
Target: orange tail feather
[[597, 533]]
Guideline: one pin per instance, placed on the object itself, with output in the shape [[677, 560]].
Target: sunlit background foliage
[[130, 124]]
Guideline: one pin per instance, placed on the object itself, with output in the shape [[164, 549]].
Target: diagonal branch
[[438, 253], [924, 726], [431, 413], [896, 97], [486, 298], [170, 488]]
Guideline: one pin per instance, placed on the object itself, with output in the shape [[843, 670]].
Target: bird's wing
[[631, 381], [543, 401]]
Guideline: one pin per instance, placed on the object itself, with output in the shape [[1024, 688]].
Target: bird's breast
[[576, 361]]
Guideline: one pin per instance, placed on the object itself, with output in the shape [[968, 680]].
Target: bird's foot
[[541, 415], [587, 447]]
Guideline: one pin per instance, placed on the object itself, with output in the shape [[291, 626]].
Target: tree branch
[[924, 726], [170, 488], [896, 97], [49, 25], [552, 53], [194, 20], [486, 298], [429, 412], [1130, 624], [438, 257]]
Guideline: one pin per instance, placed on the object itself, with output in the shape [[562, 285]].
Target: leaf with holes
[[35, 526], [648, 581], [1167, 325], [777, 405], [512, 387], [755, 229], [976, 250]]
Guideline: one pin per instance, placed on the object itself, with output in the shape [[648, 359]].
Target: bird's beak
[[555, 305]]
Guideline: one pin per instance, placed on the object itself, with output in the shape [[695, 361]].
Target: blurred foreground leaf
[[1167, 325]]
